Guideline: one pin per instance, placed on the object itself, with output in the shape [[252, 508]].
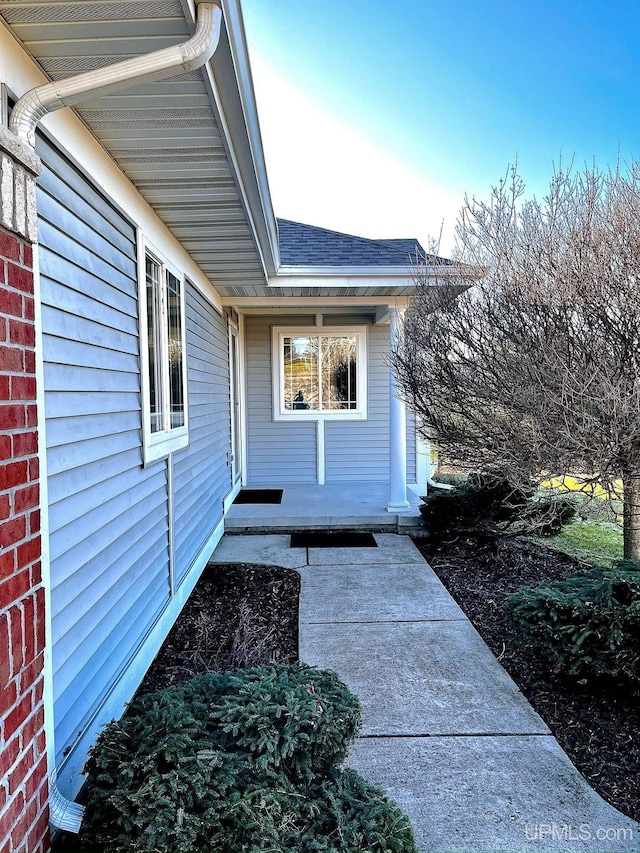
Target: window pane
[[153, 337], [301, 373], [174, 319], [339, 371]]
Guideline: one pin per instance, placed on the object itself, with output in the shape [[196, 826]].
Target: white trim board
[[271, 304]]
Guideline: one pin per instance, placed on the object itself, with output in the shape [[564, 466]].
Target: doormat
[[259, 496], [324, 539]]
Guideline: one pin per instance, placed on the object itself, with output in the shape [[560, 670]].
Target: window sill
[[162, 444], [302, 416]]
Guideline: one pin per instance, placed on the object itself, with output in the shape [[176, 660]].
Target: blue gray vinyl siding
[[359, 450], [107, 514], [278, 453], [286, 452], [202, 477]]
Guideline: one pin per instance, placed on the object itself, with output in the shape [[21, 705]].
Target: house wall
[[355, 451], [109, 542], [110, 516], [202, 477], [278, 453]]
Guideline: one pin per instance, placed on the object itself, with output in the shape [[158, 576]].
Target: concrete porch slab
[[334, 505], [490, 794], [394, 592], [421, 678]]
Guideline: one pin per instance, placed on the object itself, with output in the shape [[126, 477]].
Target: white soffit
[[167, 137]]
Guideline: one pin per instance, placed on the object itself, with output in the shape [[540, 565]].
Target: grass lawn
[[595, 542]]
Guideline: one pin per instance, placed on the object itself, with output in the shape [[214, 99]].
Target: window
[[320, 374], [162, 342]]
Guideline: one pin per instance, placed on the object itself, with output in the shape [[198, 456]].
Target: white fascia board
[[238, 44], [345, 277], [401, 275], [352, 278], [253, 158], [261, 305], [21, 73]]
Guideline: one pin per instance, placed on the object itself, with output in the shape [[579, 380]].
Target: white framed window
[[162, 345], [319, 373]]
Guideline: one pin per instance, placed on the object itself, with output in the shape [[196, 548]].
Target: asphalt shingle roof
[[309, 246]]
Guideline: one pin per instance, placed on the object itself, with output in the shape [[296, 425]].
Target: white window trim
[[277, 372], [156, 445]]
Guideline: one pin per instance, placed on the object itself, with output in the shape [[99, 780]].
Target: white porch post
[[397, 434]]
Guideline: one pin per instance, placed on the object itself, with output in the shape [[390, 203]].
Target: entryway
[[306, 506]]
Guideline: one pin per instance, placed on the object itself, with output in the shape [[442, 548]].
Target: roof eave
[[248, 150]]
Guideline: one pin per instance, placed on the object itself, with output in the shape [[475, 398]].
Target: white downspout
[[435, 485], [168, 62], [429, 479], [31, 107]]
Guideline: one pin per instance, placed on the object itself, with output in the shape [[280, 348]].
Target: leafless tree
[[534, 371]]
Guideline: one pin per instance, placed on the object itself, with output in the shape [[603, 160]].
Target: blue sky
[[378, 117]]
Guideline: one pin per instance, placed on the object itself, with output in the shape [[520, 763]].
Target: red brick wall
[[23, 762]]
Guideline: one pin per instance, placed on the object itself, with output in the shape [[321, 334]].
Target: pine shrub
[[585, 626], [489, 505], [478, 502], [244, 760]]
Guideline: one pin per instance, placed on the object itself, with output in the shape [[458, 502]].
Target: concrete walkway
[[446, 732]]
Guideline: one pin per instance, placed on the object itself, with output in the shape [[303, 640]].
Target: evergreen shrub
[[587, 625], [492, 505], [239, 761]]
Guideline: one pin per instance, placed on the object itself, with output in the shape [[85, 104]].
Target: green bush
[[587, 625], [490, 505], [478, 503], [467, 504], [245, 760]]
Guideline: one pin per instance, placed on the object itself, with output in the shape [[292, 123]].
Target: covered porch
[[307, 506]]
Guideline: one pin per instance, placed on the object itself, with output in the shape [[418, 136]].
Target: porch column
[[397, 434]]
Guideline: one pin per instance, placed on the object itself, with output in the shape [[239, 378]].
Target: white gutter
[[38, 102], [391, 271], [168, 62]]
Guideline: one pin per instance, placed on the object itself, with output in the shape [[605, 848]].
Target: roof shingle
[[310, 246]]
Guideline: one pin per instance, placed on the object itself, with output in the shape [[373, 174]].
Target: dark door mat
[[322, 539], [259, 496]]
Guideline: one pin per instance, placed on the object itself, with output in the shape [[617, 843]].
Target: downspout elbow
[[168, 62], [435, 485]]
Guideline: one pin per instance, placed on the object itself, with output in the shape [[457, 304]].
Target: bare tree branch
[[533, 371]]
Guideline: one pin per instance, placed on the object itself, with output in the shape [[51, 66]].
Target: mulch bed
[[598, 728], [237, 616]]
